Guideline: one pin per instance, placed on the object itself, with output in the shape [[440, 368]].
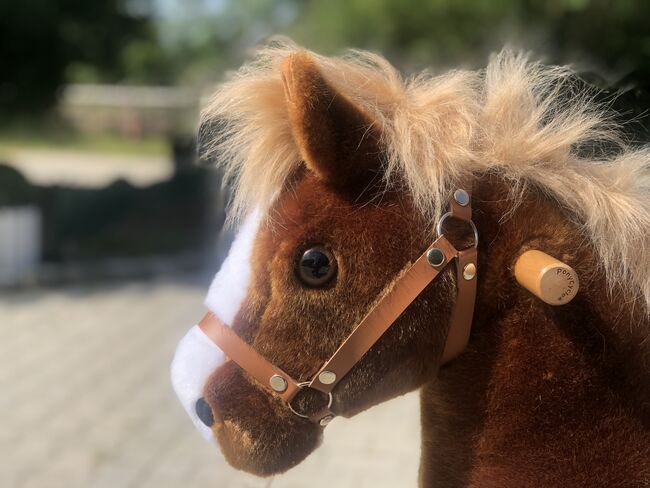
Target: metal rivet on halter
[[436, 257], [326, 420], [461, 197], [469, 271], [278, 383], [327, 377]]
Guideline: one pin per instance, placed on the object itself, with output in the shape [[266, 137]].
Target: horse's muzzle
[[195, 360]]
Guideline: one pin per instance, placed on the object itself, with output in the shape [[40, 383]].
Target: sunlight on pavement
[[87, 401]]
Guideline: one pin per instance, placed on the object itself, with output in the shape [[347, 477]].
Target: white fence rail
[[20, 245]]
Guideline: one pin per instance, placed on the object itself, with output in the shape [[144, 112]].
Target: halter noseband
[[377, 321]]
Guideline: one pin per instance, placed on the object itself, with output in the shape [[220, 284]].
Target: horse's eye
[[317, 266]]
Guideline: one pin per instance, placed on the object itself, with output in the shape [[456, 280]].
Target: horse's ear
[[337, 140]]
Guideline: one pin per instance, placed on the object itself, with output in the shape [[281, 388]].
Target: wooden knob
[[547, 278]]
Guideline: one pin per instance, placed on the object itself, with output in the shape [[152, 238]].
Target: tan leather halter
[[368, 331]]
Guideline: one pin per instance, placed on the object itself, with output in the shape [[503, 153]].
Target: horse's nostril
[[204, 412]]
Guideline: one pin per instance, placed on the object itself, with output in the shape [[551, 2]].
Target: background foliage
[[46, 43]]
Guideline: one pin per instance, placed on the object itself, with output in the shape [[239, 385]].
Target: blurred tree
[[202, 38], [605, 35], [43, 42]]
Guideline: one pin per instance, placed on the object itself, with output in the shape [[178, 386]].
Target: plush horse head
[[342, 171]]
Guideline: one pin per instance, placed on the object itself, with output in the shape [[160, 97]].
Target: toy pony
[[381, 222]]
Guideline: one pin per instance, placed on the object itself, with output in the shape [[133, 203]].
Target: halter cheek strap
[[377, 321]]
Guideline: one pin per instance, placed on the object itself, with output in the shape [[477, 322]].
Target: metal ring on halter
[[446, 216], [301, 386]]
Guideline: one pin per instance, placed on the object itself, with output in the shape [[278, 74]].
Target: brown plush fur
[[559, 396], [542, 397]]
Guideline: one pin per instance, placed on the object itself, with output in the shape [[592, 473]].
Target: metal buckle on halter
[[302, 415], [471, 223]]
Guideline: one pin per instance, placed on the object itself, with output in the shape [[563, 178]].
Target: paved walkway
[[85, 401]]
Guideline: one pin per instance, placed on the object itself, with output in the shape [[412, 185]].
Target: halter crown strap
[[460, 323], [376, 322]]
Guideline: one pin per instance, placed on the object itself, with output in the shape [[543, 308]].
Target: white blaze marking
[[195, 359], [230, 286], [196, 356]]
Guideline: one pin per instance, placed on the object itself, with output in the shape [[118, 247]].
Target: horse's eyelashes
[[317, 266]]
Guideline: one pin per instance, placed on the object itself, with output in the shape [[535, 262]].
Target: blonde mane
[[513, 117]]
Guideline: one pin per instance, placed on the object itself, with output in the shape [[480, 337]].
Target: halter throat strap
[[377, 321]]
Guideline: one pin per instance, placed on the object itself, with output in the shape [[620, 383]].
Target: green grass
[[16, 140]]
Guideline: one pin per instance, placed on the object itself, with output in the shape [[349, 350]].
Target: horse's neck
[[538, 223], [536, 401], [542, 396]]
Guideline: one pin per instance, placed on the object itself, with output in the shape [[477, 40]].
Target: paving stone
[[87, 402]]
